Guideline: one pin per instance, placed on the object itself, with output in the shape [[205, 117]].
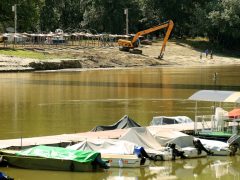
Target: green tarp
[[60, 153]]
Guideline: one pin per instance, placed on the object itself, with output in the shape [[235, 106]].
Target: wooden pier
[[67, 139]]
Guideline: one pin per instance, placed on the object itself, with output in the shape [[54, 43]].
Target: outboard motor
[[234, 143], [176, 152], [141, 153], [199, 146]]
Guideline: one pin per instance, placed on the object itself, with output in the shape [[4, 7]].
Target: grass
[[27, 54]]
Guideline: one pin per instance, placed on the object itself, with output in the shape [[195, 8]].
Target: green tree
[[29, 15], [108, 15], [219, 21], [71, 14], [50, 15], [6, 15]]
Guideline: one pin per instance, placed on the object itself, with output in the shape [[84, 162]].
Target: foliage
[[218, 20]]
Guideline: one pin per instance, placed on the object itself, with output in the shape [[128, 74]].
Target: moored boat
[[118, 153], [54, 158]]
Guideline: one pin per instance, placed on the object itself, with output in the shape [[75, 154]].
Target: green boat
[[54, 158]]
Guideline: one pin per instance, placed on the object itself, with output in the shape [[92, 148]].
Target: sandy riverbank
[[110, 57]]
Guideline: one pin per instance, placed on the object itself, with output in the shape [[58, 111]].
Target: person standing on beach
[[206, 52], [211, 54]]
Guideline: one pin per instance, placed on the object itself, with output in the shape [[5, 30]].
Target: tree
[[71, 14], [219, 21], [108, 15], [50, 15], [29, 15], [6, 14]]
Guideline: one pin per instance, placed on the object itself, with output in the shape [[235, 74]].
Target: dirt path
[[175, 55]]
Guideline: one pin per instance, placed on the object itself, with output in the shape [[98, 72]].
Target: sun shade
[[216, 96], [235, 113]]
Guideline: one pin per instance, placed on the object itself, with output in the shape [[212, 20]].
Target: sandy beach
[[110, 57]]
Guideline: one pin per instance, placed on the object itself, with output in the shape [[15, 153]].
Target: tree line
[[218, 20]]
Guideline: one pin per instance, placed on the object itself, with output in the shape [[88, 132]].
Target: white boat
[[118, 153], [186, 143], [163, 120]]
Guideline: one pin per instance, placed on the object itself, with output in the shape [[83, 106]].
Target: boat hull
[[40, 163]]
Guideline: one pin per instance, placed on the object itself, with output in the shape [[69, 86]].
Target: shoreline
[[176, 55]]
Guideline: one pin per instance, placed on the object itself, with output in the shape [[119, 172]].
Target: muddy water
[[47, 103]]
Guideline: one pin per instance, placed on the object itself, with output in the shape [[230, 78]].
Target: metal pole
[[126, 12], [15, 18]]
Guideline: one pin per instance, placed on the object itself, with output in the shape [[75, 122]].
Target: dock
[[68, 139]]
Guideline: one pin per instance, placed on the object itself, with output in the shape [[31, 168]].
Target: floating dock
[[68, 139]]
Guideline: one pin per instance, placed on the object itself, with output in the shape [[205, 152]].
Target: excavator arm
[[131, 44]]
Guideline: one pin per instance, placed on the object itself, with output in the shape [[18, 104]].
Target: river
[[50, 103]]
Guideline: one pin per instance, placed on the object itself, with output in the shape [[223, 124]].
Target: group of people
[[206, 52]]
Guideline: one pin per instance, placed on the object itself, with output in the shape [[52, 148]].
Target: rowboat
[[54, 158]]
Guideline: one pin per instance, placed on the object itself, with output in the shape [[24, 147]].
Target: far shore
[[179, 55]]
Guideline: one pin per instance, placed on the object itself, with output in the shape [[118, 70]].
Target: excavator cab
[[130, 45]]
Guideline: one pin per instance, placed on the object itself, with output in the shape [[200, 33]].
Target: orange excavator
[[130, 46]]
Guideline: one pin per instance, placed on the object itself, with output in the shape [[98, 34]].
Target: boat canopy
[[216, 96]]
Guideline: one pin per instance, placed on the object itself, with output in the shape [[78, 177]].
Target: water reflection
[[37, 104], [202, 168]]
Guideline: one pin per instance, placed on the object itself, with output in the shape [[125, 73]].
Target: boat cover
[[182, 141], [163, 120], [105, 146], [163, 136], [60, 153], [124, 123], [142, 137], [214, 145]]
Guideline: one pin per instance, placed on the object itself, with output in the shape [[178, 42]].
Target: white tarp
[[163, 120], [106, 146], [164, 135], [142, 137], [217, 147], [184, 142]]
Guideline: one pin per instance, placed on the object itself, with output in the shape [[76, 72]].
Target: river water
[[50, 103]]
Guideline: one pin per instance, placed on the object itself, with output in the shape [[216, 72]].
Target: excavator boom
[[130, 44]]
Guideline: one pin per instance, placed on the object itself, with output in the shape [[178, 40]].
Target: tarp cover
[[163, 120], [124, 123], [214, 145], [105, 146], [183, 141], [60, 153], [163, 136], [142, 137]]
